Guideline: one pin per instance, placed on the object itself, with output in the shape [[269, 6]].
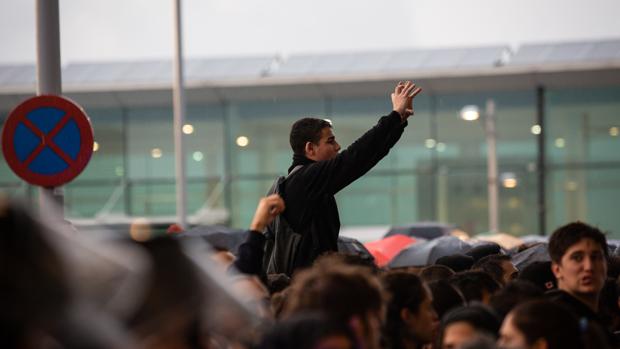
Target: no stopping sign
[[47, 140]]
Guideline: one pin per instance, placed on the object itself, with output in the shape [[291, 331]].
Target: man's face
[[510, 272], [327, 147], [582, 269], [509, 335], [456, 334], [425, 323]]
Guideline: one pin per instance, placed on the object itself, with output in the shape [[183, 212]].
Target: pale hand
[[268, 208], [402, 98]]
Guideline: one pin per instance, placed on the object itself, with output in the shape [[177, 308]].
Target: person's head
[[578, 259], [256, 295], [463, 324], [167, 312], [613, 266], [353, 259], [314, 139], [436, 272], [540, 324], [514, 293], [457, 262], [311, 330], [539, 274], [475, 285], [346, 294], [410, 314], [609, 304], [34, 277], [445, 297], [484, 249], [499, 266]]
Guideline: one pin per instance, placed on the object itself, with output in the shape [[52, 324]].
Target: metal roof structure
[[587, 63], [572, 52], [389, 62]]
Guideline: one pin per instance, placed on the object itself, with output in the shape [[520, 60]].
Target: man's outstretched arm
[[331, 176]]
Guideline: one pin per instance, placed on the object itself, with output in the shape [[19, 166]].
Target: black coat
[[311, 209]]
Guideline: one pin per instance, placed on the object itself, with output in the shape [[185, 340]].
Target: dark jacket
[[311, 209], [250, 254], [587, 317]]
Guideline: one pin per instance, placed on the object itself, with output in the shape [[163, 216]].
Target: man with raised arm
[[319, 171]]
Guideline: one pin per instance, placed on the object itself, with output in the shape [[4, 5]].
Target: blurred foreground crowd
[[63, 289]]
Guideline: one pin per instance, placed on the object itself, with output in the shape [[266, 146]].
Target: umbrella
[[506, 241], [219, 237], [385, 249], [353, 246], [536, 253], [424, 230], [428, 252]]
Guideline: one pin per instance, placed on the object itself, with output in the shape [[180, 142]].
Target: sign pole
[[179, 117], [48, 74]]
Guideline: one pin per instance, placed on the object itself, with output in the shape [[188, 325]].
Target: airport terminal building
[[558, 134]]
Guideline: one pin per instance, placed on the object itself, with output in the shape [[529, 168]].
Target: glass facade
[[436, 172], [583, 147]]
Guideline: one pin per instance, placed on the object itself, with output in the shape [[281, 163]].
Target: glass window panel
[[353, 117], [150, 143], [583, 144], [265, 127], [461, 160], [586, 194], [583, 125], [204, 147], [86, 199], [245, 195], [153, 198]]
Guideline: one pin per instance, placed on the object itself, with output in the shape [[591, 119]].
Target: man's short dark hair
[[339, 291], [515, 293], [436, 272], [492, 264], [568, 235], [306, 130], [473, 284], [480, 317]]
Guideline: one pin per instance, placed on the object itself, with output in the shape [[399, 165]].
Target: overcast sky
[[104, 30]]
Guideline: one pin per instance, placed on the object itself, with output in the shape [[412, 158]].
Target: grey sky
[[103, 30]]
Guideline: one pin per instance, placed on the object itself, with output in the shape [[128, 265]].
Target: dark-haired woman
[[411, 320], [540, 324]]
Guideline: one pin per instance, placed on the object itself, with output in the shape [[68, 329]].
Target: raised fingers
[[408, 89], [399, 87], [415, 92]]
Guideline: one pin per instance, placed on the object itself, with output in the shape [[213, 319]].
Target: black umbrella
[[219, 237], [353, 246], [426, 253], [424, 230], [536, 253]]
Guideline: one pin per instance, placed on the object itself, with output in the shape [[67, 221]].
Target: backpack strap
[[294, 170]]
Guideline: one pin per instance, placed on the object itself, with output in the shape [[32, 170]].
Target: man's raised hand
[[402, 98]]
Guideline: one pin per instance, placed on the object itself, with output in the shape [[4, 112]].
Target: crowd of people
[[288, 286], [181, 295]]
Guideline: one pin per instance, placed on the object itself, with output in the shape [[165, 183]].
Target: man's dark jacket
[[311, 209]]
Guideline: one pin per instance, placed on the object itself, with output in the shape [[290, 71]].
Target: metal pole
[[491, 137], [179, 117], [540, 120], [48, 75]]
